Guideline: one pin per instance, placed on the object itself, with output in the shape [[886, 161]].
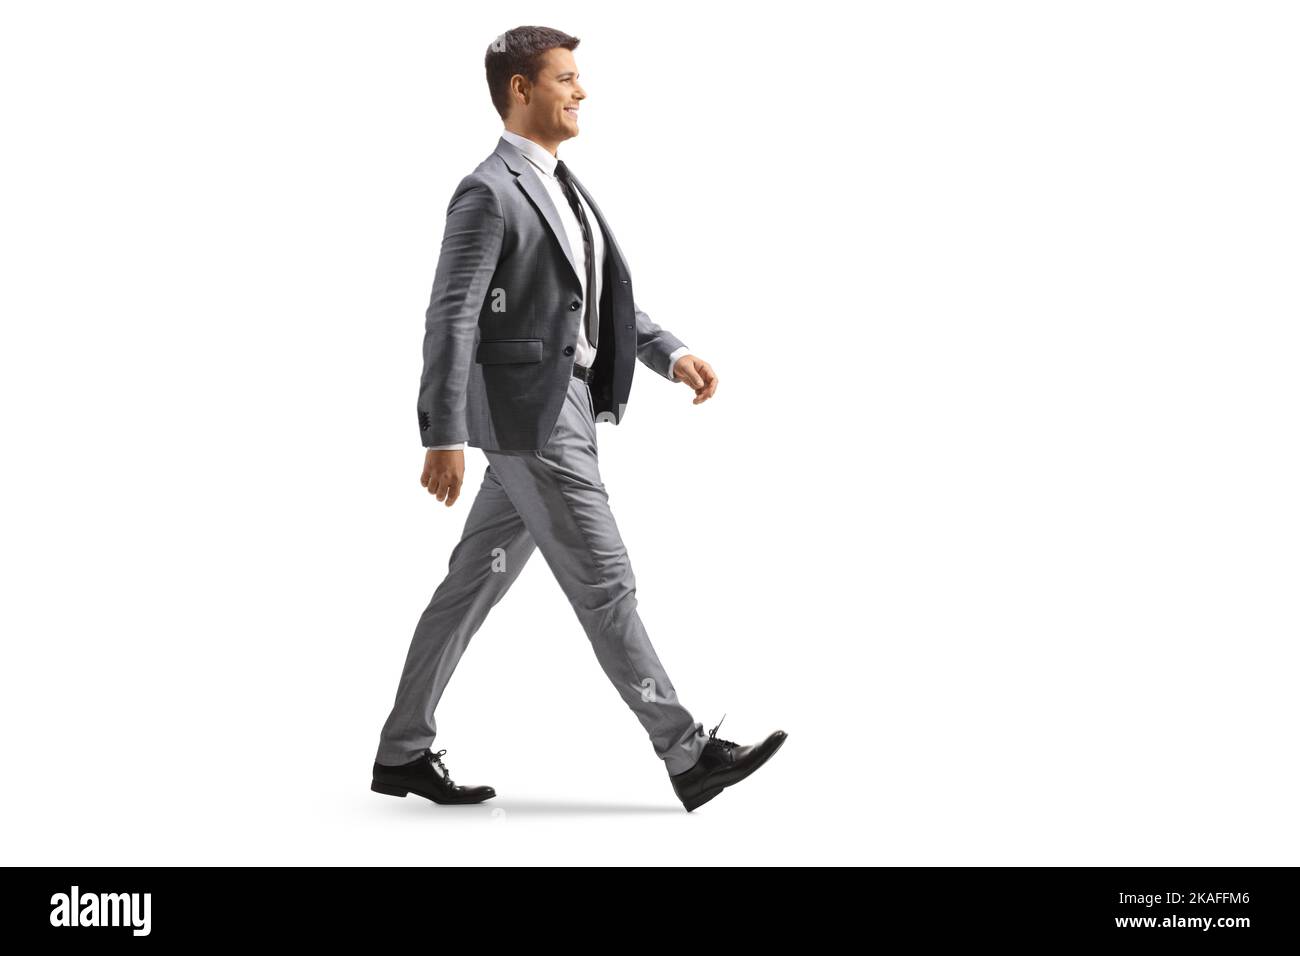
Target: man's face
[[552, 108]]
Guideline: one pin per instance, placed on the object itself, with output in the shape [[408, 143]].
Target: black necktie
[[588, 249]]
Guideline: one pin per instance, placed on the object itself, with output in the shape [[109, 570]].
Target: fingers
[[446, 487], [690, 376], [708, 383]]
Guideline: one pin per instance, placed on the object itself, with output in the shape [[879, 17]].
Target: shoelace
[[713, 735], [436, 758]]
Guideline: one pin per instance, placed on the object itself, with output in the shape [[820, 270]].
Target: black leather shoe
[[722, 763], [427, 777]]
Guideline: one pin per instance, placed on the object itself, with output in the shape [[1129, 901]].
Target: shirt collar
[[539, 154]]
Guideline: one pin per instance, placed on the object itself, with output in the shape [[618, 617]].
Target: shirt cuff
[[455, 447], [672, 360]]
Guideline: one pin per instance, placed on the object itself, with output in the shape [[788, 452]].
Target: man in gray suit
[[531, 337]]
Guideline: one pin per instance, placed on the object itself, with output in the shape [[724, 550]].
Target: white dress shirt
[[545, 163]]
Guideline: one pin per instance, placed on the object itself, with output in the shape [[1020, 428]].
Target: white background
[[994, 512]]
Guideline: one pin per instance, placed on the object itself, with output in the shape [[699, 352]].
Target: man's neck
[[539, 140]]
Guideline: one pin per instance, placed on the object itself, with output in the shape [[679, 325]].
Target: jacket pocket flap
[[508, 351]]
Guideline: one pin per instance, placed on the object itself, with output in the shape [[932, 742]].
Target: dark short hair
[[519, 51]]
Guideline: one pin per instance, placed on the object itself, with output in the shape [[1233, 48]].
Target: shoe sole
[[707, 795], [395, 791]]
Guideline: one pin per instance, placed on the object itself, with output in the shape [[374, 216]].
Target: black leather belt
[[582, 372]]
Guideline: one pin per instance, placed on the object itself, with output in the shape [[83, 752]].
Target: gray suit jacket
[[505, 312]]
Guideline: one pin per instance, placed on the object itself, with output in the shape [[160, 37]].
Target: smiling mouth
[[572, 111]]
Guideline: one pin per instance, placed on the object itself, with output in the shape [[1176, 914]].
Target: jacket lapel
[[527, 179], [610, 243]]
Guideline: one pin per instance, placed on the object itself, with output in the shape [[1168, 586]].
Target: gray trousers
[[552, 499]]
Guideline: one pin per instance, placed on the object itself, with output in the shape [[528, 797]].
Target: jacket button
[[568, 350], [573, 306]]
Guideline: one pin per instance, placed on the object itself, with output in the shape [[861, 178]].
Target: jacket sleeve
[[654, 345], [471, 245]]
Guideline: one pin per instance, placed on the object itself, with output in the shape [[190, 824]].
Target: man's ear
[[523, 88]]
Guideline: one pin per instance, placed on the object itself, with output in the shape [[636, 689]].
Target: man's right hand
[[443, 473]]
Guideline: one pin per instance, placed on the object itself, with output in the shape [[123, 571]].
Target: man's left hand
[[696, 373]]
